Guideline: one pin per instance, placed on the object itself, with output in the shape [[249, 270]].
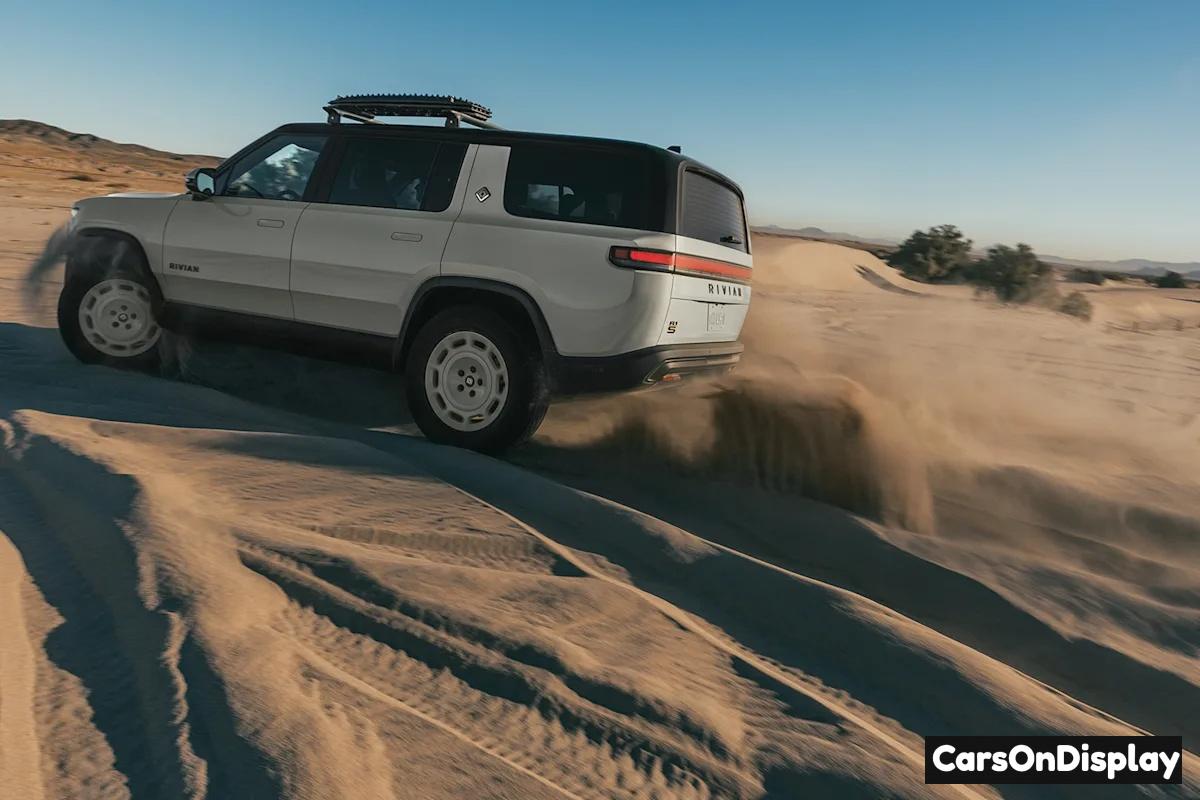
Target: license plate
[[716, 317]]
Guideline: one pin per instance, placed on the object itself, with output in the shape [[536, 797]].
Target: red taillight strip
[[710, 266], [666, 261], [659, 257]]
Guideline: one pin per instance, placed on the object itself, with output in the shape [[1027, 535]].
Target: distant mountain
[[53, 136], [817, 233], [1134, 266], [80, 163]]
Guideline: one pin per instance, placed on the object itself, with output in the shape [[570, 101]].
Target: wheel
[[473, 382], [108, 318]]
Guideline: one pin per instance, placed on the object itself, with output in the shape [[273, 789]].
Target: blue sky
[[1073, 126]]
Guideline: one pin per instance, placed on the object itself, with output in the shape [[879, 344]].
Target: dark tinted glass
[[712, 212], [580, 184], [383, 172], [278, 169], [444, 177]]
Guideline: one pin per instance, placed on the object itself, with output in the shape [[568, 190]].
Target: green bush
[[1172, 280], [1077, 305], [937, 254], [1082, 275], [1014, 275]]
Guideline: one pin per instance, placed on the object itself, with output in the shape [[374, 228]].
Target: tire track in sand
[[479, 674], [740, 654]]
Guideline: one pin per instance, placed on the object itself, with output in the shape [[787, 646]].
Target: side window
[[277, 170], [395, 172], [579, 184]]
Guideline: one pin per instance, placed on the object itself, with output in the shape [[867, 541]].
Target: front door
[[360, 254], [233, 251]]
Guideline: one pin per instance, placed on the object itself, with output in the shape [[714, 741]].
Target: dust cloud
[[54, 253], [899, 407], [825, 437]]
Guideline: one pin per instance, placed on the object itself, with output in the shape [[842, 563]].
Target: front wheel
[[473, 382], [109, 319]]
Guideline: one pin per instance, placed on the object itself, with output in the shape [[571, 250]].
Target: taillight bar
[[666, 261]]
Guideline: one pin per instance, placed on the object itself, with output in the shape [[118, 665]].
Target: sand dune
[[911, 513], [785, 264]]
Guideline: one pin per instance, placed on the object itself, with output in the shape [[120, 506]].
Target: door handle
[[270, 223], [400, 236]]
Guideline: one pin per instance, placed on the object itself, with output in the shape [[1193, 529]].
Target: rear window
[[384, 173], [581, 184], [712, 212], [397, 172]]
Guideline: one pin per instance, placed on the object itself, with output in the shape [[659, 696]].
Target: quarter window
[[277, 170], [579, 184]]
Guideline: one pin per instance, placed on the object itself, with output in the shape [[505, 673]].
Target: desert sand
[[911, 512]]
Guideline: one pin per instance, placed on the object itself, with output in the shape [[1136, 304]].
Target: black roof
[[500, 137]]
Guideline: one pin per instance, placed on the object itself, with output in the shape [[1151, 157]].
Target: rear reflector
[[666, 261]]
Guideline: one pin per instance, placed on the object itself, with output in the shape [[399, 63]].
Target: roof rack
[[366, 107]]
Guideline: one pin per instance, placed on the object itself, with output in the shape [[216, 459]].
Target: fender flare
[[142, 265], [421, 295]]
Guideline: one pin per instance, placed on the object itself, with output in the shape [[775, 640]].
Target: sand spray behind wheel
[[910, 409], [824, 437], [54, 253]]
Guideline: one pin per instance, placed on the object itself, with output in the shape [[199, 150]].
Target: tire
[[108, 317], [473, 382]]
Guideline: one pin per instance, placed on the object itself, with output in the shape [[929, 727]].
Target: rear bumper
[[643, 368]]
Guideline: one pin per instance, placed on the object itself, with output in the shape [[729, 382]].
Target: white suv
[[496, 268]]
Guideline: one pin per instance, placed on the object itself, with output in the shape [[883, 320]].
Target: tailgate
[[710, 294]]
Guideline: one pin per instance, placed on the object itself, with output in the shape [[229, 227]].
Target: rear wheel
[[473, 382], [109, 319]]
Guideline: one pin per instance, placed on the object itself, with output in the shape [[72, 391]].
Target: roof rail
[[366, 107]]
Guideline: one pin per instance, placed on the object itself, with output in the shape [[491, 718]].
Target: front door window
[[279, 169]]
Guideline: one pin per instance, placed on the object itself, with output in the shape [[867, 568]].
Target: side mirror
[[201, 183]]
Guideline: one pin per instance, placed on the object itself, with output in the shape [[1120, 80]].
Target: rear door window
[[579, 184], [712, 212], [397, 172]]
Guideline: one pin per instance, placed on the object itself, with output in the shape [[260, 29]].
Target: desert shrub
[[81, 177], [937, 254], [1082, 275], [1171, 280], [1077, 305], [1014, 275]]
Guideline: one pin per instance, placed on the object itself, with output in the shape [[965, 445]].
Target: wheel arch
[[84, 256], [514, 303]]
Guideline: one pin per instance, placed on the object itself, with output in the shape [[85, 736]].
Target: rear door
[[711, 290], [378, 232], [233, 251]]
